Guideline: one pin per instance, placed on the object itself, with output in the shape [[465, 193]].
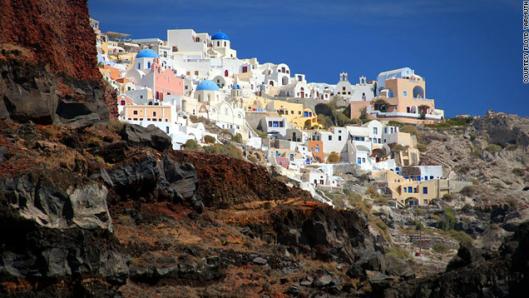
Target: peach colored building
[[148, 113], [402, 97]]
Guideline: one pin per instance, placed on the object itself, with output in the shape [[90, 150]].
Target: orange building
[[316, 147]]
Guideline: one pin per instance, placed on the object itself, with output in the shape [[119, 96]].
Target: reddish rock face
[[56, 33], [49, 65]]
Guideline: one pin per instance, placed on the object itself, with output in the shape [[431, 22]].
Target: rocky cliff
[[109, 208], [478, 273], [48, 62]]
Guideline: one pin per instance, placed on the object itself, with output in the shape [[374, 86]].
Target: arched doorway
[[284, 81], [381, 105], [418, 92], [411, 202], [423, 110]]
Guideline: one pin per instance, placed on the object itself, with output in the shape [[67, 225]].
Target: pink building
[[166, 82]]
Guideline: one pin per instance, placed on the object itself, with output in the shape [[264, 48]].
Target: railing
[[406, 115]]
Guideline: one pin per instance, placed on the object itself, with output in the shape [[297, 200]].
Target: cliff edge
[[48, 70]]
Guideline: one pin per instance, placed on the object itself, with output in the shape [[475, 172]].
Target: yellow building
[[296, 114], [409, 192]]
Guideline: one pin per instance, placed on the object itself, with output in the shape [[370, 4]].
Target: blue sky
[[469, 52]]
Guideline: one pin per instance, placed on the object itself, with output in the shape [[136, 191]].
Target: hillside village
[[194, 87]]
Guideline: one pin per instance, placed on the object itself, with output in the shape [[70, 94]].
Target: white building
[[362, 91]]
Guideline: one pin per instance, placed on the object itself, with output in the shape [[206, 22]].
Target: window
[[330, 138], [375, 130], [339, 138], [154, 114], [405, 190], [410, 189], [135, 112], [431, 177], [167, 129], [404, 93]]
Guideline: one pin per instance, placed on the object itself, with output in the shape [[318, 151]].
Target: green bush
[[325, 121], [364, 117], [225, 149], [209, 139], [453, 122], [191, 145], [447, 220], [333, 157], [398, 252], [493, 148], [237, 138], [395, 123], [460, 236], [409, 129], [421, 147], [440, 248]]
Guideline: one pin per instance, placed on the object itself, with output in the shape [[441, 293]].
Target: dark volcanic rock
[[44, 78], [57, 228], [329, 234], [150, 136], [150, 178], [503, 275], [225, 181]]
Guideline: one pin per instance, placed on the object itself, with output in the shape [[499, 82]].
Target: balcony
[[404, 115]]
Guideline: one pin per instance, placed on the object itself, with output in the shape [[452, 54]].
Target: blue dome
[[220, 36], [147, 53], [207, 85]]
